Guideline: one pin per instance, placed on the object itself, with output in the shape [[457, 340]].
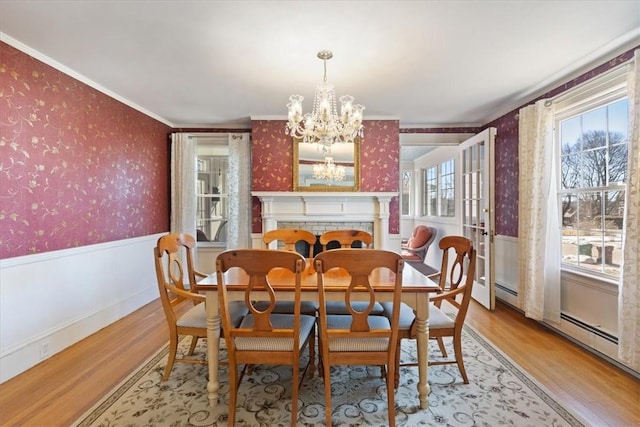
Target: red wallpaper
[[76, 166], [272, 158], [506, 150]]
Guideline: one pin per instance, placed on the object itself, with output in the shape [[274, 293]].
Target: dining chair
[[456, 284], [289, 238], [346, 238], [264, 337], [170, 251], [359, 338]]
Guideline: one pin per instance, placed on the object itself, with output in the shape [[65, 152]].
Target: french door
[[476, 159]]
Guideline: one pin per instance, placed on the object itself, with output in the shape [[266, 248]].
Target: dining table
[[416, 288]]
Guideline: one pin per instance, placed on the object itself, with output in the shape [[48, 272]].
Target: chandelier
[[328, 170], [323, 125]]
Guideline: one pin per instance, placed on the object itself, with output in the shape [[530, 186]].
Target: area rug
[[500, 393]]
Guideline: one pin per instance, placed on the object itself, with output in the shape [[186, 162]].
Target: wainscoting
[[54, 299]]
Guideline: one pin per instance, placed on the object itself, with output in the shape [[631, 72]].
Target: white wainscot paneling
[[506, 268], [52, 300]]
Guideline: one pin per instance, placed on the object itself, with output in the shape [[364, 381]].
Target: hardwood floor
[[62, 388]]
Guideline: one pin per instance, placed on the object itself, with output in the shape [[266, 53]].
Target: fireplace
[[324, 211]]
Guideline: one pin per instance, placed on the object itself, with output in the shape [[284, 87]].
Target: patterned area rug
[[499, 393]]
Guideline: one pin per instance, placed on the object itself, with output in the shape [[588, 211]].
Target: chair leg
[[391, 399], [192, 347], [443, 350], [457, 348], [312, 352], [233, 392], [327, 393], [294, 393], [396, 376], [173, 349]]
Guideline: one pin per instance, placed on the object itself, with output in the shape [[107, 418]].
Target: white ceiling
[[218, 63]]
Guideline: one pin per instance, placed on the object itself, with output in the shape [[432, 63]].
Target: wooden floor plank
[[59, 390]]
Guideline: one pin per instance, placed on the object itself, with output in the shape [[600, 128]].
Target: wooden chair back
[[257, 263], [346, 238], [289, 237], [359, 338], [171, 253], [458, 248]]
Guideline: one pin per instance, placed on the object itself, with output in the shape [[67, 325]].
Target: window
[[593, 147], [439, 190], [212, 198]]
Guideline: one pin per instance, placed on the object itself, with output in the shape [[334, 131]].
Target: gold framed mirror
[[335, 168]]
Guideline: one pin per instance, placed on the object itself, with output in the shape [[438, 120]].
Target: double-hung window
[[592, 134], [439, 190]]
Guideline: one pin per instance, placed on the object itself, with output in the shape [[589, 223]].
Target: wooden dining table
[[415, 292]]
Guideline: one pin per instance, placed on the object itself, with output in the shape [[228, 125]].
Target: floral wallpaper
[[76, 166], [506, 174], [272, 158], [506, 150]]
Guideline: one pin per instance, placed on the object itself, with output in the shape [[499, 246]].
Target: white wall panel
[[52, 300]]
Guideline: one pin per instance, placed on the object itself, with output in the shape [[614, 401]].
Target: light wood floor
[[62, 388]]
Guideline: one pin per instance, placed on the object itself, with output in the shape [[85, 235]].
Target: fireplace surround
[[324, 211]]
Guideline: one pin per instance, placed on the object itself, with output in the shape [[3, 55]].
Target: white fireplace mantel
[[281, 206]]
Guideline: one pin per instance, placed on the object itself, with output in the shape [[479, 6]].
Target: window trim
[[425, 205], [596, 93]]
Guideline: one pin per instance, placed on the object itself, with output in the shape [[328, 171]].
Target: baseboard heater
[[599, 332], [505, 289], [587, 327]]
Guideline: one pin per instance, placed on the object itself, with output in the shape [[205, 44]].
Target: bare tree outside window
[[594, 154]]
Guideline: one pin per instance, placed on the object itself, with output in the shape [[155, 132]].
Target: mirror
[[334, 169]]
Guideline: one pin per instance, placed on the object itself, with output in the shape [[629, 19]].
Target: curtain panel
[[538, 225], [629, 286], [183, 184], [239, 191]]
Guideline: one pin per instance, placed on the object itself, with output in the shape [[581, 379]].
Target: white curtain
[[239, 226], [183, 184], [538, 224], [629, 287]]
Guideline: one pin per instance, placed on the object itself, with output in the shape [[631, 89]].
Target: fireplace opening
[[303, 247]]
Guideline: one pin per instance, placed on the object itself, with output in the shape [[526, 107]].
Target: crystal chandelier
[[328, 170], [323, 125]]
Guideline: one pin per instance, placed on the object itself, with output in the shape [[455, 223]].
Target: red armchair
[[417, 246]]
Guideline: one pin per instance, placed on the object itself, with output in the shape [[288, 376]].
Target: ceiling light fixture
[[328, 170], [323, 125]]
